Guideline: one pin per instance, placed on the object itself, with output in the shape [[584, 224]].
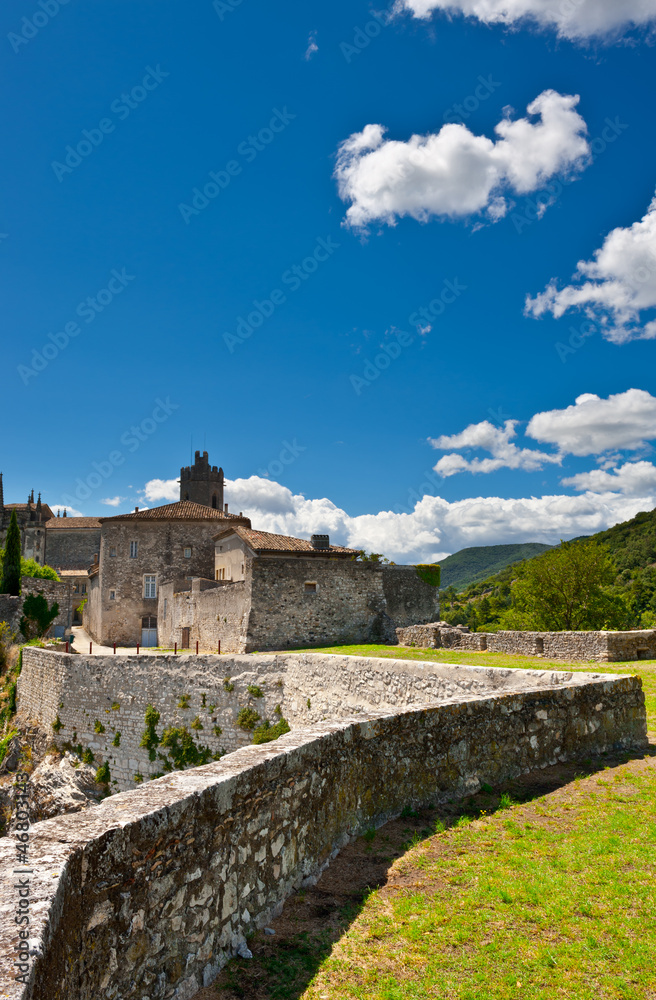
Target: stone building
[[202, 483], [65, 543], [32, 519], [272, 591], [140, 552]]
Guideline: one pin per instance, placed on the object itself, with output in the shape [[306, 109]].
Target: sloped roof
[[265, 541], [183, 510], [73, 522]]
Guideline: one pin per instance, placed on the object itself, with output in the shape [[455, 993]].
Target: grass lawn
[[543, 888]]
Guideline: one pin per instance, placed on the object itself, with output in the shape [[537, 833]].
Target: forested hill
[[484, 603], [632, 543], [481, 561]]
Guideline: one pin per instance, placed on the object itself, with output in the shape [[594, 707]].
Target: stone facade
[[72, 542], [271, 608], [606, 647], [161, 544], [147, 895]]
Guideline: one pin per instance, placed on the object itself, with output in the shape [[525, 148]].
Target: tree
[[567, 588], [11, 565], [37, 616], [30, 567]]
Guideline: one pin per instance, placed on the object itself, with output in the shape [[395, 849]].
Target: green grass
[[554, 897], [645, 669]]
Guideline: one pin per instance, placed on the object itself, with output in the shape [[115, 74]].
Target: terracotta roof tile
[[183, 510], [72, 522], [265, 541]]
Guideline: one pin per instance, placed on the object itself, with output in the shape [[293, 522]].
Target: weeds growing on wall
[[248, 718], [266, 733], [181, 749]]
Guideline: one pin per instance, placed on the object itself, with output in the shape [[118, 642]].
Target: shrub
[[184, 701], [117, 740], [57, 724], [98, 727], [88, 757], [37, 616], [103, 774], [266, 733], [197, 724], [150, 739], [255, 691], [228, 685], [248, 718]]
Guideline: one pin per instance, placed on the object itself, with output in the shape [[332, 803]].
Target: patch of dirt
[[313, 919]]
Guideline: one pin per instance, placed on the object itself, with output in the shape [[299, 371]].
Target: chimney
[[136, 510], [64, 514], [320, 541], [95, 559], [225, 509]]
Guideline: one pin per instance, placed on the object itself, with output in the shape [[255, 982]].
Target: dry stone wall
[[148, 895], [605, 647], [54, 591]]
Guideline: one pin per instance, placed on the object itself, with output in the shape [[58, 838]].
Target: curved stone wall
[[147, 895]]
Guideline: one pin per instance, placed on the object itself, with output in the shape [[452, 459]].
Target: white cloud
[[435, 527], [632, 479], [70, 511], [113, 501], [162, 489], [579, 20], [496, 440], [312, 46], [591, 426], [454, 173], [615, 288]]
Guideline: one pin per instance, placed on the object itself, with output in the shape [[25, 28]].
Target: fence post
[[114, 649], [219, 647], [90, 648], [137, 649], [175, 651], [196, 647], [67, 647]]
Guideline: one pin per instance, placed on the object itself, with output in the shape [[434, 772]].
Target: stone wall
[[81, 691], [212, 610], [272, 608], [605, 647], [149, 894], [11, 608], [71, 547]]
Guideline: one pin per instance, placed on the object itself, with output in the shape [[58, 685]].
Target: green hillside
[[483, 603], [481, 561]]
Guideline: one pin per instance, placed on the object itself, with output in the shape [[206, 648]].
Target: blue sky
[[335, 393]]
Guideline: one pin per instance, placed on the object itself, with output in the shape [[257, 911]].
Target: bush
[[248, 718], [266, 733]]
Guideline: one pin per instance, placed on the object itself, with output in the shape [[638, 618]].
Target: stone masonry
[[146, 896], [606, 647], [273, 607]]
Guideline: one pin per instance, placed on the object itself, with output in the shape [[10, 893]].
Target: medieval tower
[[202, 483]]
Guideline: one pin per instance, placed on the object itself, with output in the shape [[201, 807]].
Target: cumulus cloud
[[616, 288], [632, 479], [496, 440], [592, 425], [454, 173], [435, 527], [113, 501], [70, 511], [162, 489], [578, 20]]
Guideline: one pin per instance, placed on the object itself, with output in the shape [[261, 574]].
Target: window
[[134, 546], [76, 588], [112, 553], [150, 586], [187, 552], [112, 595], [310, 588], [84, 588], [221, 573]]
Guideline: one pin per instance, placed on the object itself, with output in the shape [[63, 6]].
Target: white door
[[149, 637]]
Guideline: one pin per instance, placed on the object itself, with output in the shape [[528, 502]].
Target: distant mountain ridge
[[479, 562]]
